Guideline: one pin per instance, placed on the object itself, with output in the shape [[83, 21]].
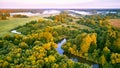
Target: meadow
[[7, 25]]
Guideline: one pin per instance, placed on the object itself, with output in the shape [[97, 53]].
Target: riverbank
[[80, 59], [73, 57]]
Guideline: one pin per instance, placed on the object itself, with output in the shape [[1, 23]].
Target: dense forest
[[91, 37]]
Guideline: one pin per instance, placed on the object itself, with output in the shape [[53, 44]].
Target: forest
[[91, 37]]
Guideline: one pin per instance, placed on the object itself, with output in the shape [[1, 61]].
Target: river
[[14, 31], [74, 58], [59, 49]]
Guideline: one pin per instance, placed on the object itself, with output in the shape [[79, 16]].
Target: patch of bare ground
[[115, 22]]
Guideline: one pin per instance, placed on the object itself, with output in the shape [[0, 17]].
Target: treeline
[[20, 16], [21, 10]]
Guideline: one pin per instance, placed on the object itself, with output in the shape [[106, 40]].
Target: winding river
[[59, 49], [74, 58]]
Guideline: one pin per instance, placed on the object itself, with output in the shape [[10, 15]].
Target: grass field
[[7, 25]]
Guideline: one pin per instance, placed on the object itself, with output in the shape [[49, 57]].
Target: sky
[[60, 4]]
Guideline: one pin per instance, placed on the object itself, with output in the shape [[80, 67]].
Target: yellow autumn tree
[[40, 20], [18, 36], [50, 45], [53, 45], [112, 33], [71, 50], [115, 58], [117, 45], [93, 38], [26, 39], [48, 29], [47, 46], [54, 65], [93, 44], [23, 45], [51, 58], [102, 60], [46, 36], [57, 18], [106, 50], [93, 22], [85, 44]]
